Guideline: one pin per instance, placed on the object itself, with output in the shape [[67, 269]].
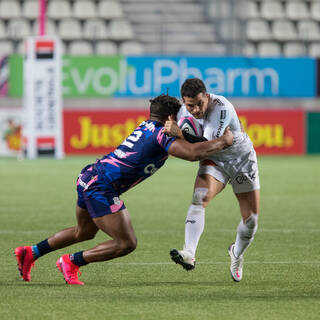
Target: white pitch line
[[213, 263]]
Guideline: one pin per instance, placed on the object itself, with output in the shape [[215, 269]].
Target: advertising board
[[99, 132], [149, 76]]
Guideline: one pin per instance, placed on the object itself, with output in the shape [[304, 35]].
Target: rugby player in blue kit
[[100, 184]]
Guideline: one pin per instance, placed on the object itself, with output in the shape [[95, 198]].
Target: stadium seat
[[108, 9], [10, 9], [314, 50], [308, 30], [30, 9], [84, 9], [120, 29], [106, 48], [284, 30], [294, 49], [249, 10], [296, 10], [6, 48], [18, 28], [214, 49], [272, 10], [70, 29], [315, 10], [80, 47], [95, 29], [51, 29], [268, 49], [59, 9], [258, 30], [131, 48], [249, 50]]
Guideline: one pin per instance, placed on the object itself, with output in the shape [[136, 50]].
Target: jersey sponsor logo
[[244, 176], [221, 123], [223, 114], [116, 201], [150, 169], [218, 102]]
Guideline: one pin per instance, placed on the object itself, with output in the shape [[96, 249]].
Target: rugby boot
[[236, 264], [25, 261], [184, 258], [69, 270]]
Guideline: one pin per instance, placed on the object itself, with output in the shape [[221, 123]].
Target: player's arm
[[180, 148]]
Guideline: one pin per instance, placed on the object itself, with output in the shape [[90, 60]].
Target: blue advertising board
[[231, 77], [149, 76]]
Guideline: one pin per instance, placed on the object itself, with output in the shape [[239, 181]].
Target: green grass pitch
[[281, 270]]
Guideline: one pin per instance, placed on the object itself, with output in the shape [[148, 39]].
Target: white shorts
[[241, 173]]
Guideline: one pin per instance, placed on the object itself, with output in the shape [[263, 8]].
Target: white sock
[[245, 234], [193, 228]]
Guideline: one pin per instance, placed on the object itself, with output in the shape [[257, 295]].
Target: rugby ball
[[191, 126]]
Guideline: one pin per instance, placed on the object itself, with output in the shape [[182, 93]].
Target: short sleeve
[[163, 140]]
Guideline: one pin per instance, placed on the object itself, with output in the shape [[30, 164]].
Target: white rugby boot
[[236, 265], [184, 258]]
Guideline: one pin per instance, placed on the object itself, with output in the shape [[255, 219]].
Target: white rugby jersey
[[220, 115]]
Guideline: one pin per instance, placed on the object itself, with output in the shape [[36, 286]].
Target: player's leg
[[123, 241], [249, 207], [84, 230], [249, 203], [246, 187], [205, 189]]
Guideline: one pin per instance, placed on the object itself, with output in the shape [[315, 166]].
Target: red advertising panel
[[275, 131], [99, 131]]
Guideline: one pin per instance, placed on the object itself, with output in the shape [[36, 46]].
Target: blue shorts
[[95, 195]]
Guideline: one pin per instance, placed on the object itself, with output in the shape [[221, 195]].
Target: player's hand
[[171, 128], [228, 136]]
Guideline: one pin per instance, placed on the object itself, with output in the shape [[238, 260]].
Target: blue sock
[[77, 259], [41, 248]]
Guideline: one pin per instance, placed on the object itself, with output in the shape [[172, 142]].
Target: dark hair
[[192, 87], [163, 106]]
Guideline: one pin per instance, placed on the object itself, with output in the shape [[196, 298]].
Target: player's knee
[[248, 227], [252, 221], [83, 235], [200, 197], [127, 246]]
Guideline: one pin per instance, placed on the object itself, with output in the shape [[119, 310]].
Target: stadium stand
[[59, 9], [106, 48], [30, 9], [80, 47], [268, 49], [94, 29], [219, 27]]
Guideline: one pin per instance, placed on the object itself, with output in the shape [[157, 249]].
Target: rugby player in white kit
[[236, 164]]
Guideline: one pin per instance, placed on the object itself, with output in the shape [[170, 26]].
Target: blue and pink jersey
[[137, 158]]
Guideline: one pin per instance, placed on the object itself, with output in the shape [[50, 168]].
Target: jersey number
[[134, 137]]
